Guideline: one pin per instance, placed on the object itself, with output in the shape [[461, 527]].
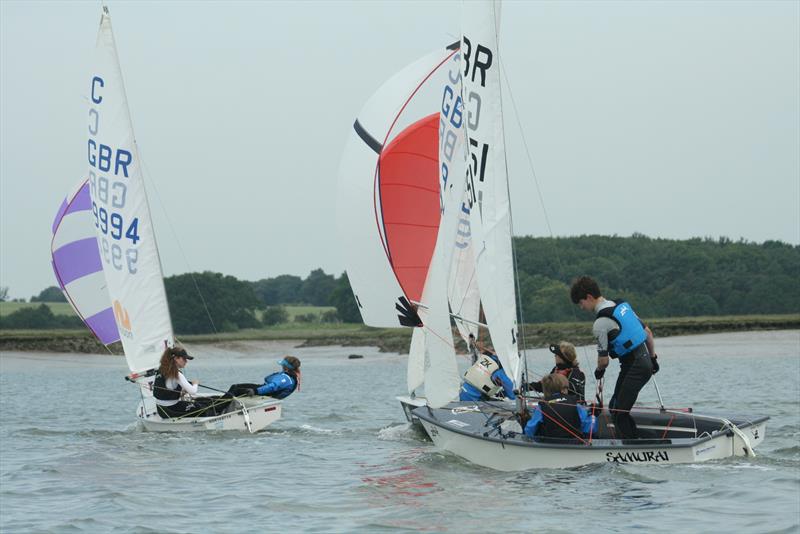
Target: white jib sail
[[462, 286], [442, 380], [416, 360], [491, 210], [374, 283], [121, 213]]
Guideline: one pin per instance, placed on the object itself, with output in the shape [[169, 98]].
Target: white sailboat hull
[[257, 413], [514, 452]]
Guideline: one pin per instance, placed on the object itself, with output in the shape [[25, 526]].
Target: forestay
[[490, 203], [78, 267], [121, 214]]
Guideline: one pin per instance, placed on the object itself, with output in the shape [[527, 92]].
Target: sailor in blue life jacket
[[486, 379], [621, 335], [279, 385], [559, 415]]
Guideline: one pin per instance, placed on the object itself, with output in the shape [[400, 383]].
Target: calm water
[[343, 459]]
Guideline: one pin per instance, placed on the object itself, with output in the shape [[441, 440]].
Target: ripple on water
[[402, 432], [346, 465]]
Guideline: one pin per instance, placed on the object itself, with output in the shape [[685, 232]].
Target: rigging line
[[538, 189], [146, 170], [521, 322]]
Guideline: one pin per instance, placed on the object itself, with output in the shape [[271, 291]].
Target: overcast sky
[[672, 119]]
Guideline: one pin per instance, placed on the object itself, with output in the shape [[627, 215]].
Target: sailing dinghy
[[489, 433], [105, 256]]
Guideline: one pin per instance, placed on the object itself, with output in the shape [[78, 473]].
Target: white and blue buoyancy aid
[[480, 375], [631, 332]]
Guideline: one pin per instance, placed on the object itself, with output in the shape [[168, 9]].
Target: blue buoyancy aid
[[631, 331], [279, 385]]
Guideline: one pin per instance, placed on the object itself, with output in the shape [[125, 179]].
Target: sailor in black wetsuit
[[620, 334]]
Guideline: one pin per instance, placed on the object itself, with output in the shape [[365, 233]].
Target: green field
[[63, 308], [294, 311], [58, 308]]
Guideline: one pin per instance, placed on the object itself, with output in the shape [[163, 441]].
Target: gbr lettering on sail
[[478, 59], [109, 170]]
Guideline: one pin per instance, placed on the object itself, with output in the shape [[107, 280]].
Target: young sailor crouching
[[559, 415], [279, 385], [486, 379]]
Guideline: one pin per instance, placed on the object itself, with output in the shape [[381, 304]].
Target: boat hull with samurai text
[[489, 435]]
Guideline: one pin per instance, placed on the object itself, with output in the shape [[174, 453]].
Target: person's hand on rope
[[599, 373], [654, 361]]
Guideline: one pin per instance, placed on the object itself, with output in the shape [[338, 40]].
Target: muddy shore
[[391, 339]]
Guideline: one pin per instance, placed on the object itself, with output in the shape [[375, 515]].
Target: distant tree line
[[661, 277]]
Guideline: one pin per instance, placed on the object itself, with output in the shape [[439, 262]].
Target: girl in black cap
[[566, 365]]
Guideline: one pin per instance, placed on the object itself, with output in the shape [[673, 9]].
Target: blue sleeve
[[588, 422], [270, 386], [533, 423], [508, 385]]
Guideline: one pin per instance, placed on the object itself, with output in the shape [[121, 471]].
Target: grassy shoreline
[[391, 339]]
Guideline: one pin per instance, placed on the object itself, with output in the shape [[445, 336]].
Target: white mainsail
[[490, 203], [121, 213]]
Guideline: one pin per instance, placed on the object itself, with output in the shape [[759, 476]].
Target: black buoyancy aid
[[576, 380], [560, 419], [631, 332], [162, 392]]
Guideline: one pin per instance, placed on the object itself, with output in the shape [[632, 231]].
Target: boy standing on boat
[[622, 335]]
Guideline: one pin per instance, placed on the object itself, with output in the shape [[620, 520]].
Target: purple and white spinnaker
[[78, 267]]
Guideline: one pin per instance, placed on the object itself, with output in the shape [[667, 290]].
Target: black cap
[[182, 353], [555, 349]]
